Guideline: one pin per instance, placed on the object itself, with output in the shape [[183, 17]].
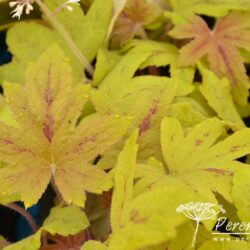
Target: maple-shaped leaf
[[136, 15], [202, 157], [221, 45], [64, 221], [203, 147], [50, 143]]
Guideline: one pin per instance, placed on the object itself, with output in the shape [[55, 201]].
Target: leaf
[[155, 222], [105, 62], [183, 9], [50, 144], [136, 15], [26, 49], [202, 147], [88, 32], [93, 245], [220, 44], [24, 45], [65, 221], [240, 193], [145, 101], [123, 186], [218, 94], [30, 243], [62, 220], [201, 159]]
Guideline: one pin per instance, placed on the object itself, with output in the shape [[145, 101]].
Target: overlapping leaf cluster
[[156, 118]]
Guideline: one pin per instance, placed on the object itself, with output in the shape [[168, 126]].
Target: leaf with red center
[[49, 142], [136, 14], [221, 45]]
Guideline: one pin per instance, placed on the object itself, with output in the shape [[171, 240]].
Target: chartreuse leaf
[[128, 65], [221, 45], [202, 147], [50, 143], [200, 159], [240, 193], [155, 222], [6, 116], [218, 94], [62, 220], [26, 48], [188, 111], [30, 243], [88, 32], [105, 62], [135, 225], [123, 186], [183, 9], [146, 100], [94, 245]]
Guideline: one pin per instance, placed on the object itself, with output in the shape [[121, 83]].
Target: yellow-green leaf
[[123, 186], [218, 94]]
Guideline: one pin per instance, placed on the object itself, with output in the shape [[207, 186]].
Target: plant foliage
[[135, 113]]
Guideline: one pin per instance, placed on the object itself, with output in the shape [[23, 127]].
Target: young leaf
[[50, 143], [218, 94], [123, 186], [220, 44], [136, 15]]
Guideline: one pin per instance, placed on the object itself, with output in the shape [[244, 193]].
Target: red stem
[[25, 214]]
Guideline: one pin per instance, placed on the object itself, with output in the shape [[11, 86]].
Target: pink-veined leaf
[[50, 142], [221, 46]]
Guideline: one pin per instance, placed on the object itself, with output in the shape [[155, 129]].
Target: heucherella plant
[[128, 120]]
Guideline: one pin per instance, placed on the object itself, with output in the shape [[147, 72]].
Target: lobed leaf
[[221, 45], [50, 141]]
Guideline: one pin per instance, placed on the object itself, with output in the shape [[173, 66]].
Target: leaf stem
[[59, 27], [25, 214]]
